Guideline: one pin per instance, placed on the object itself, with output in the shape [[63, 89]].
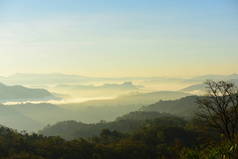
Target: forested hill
[[164, 137], [184, 107], [125, 124]]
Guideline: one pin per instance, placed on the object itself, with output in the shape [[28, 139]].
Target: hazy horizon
[[130, 76]]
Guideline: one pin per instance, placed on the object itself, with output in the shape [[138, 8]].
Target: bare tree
[[219, 109]]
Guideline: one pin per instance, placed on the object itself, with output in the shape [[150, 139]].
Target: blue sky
[[119, 38]]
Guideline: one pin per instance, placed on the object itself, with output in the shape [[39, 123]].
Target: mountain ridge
[[18, 93]]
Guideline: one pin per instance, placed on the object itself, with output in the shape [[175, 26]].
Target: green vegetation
[[164, 137], [184, 107], [125, 124]]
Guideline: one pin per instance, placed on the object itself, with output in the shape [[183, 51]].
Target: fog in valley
[[52, 98]]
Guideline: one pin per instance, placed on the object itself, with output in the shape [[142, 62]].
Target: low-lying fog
[[31, 102]]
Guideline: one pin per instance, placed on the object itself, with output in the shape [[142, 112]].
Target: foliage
[[221, 151], [163, 137], [126, 124], [220, 108]]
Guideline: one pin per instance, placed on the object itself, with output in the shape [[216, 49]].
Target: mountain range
[[109, 109], [212, 77], [17, 93], [107, 86], [128, 123], [59, 78], [184, 107], [171, 110], [32, 117]]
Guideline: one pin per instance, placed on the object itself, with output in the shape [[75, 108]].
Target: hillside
[[96, 110], [125, 124], [32, 117], [44, 113], [16, 120], [19, 93], [160, 138], [185, 107]]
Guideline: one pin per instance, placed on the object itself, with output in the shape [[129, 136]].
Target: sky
[[112, 38]]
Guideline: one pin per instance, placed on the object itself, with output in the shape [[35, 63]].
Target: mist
[[121, 79]]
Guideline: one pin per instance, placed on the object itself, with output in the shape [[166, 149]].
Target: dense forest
[[163, 137], [126, 124]]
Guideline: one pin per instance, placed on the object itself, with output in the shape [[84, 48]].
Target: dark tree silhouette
[[219, 109]]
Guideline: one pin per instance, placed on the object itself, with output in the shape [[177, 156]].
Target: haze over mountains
[[58, 78], [127, 123], [125, 97], [213, 77], [19, 93], [125, 85], [102, 90], [11, 118], [69, 79], [184, 107], [109, 109], [32, 117], [83, 86], [201, 87]]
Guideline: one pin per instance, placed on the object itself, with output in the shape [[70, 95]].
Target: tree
[[219, 109]]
